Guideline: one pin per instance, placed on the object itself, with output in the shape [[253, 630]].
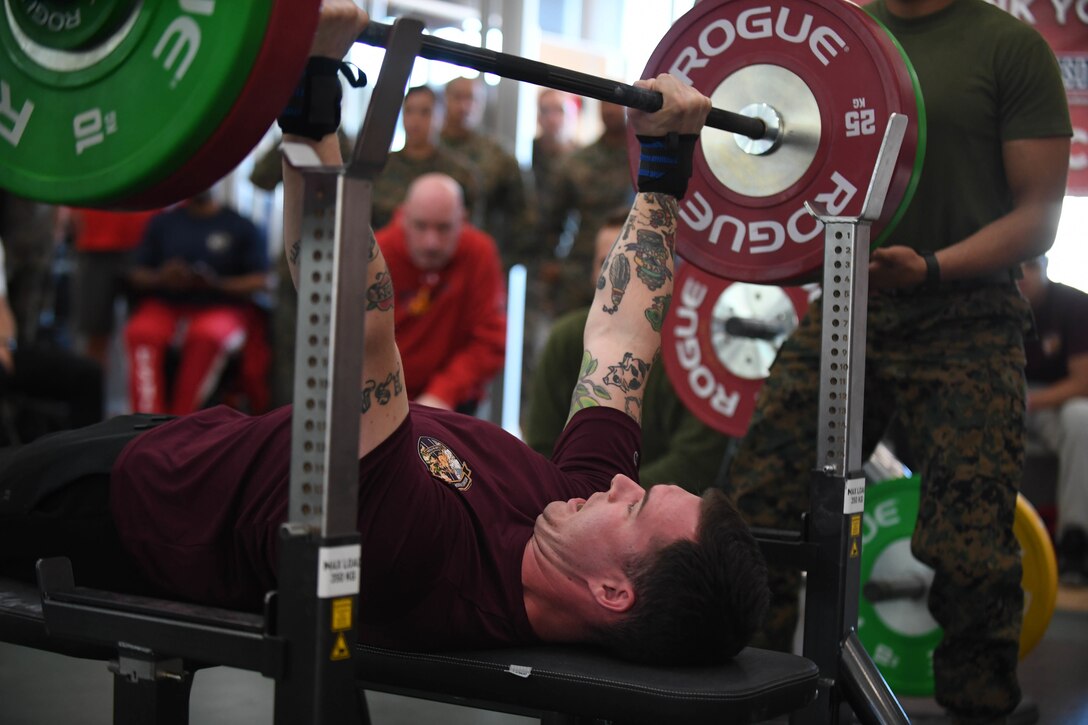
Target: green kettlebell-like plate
[[93, 127], [899, 636]]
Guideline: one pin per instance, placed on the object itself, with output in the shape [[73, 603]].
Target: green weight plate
[[900, 636], [68, 24], [270, 83], [92, 127]]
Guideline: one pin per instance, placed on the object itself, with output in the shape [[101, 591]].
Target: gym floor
[[39, 688]]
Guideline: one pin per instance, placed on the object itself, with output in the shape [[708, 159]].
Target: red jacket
[[450, 324]]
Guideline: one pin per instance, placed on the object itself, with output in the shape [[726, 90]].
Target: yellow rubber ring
[[1040, 578]]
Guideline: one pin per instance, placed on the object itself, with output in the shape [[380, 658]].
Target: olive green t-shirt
[[986, 78]]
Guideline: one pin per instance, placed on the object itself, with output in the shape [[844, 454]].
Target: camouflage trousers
[[947, 366]]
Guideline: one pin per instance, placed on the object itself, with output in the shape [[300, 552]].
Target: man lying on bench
[[469, 538]]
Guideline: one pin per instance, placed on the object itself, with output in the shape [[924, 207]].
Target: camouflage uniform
[[392, 184], [592, 181], [949, 363], [504, 209], [944, 361], [545, 167]]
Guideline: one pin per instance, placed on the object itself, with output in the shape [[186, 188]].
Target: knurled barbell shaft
[[561, 79]]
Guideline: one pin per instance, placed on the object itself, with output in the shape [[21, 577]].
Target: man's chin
[[550, 515]]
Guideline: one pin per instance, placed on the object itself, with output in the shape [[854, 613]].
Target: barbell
[[128, 104]]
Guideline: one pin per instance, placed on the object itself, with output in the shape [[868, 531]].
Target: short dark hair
[[696, 602], [421, 89]]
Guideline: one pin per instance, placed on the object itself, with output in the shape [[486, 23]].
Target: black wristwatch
[[933, 269]]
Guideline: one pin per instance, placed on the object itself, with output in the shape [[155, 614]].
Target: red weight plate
[[831, 77], [275, 73], [719, 340]]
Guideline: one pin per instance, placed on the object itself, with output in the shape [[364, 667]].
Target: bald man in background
[[450, 299]]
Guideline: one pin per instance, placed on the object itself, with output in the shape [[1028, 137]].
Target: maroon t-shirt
[[446, 506]]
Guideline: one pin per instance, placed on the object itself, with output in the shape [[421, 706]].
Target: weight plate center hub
[[748, 324], [768, 166], [70, 36]]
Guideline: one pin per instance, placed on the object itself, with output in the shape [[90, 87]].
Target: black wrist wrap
[[665, 163], [314, 108]]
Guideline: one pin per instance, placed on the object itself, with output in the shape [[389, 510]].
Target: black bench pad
[[755, 685]]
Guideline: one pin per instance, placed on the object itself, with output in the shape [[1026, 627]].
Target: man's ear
[[614, 595]]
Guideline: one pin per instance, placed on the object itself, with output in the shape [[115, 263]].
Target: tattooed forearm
[[588, 393], [373, 249], [664, 216], [383, 392], [657, 310], [619, 274], [293, 252], [629, 374], [652, 257], [379, 296]]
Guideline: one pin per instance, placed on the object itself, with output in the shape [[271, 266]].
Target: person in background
[[505, 209], [944, 349], [28, 229], [104, 242], [1057, 405], [589, 184], [42, 371], [196, 270], [420, 155], [676, 446], [553, 142], [449, 311]]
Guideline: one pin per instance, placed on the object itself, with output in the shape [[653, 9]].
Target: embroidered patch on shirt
[[1051, 344], [444, 463], [218, 242]]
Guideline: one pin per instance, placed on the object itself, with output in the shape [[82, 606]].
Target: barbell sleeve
[[914, 588], [752, 328], [517, 68]]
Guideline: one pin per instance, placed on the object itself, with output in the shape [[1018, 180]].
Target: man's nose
[[431, 240], [623, 488]]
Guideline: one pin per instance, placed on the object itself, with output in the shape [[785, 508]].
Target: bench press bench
[[555, 683]]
